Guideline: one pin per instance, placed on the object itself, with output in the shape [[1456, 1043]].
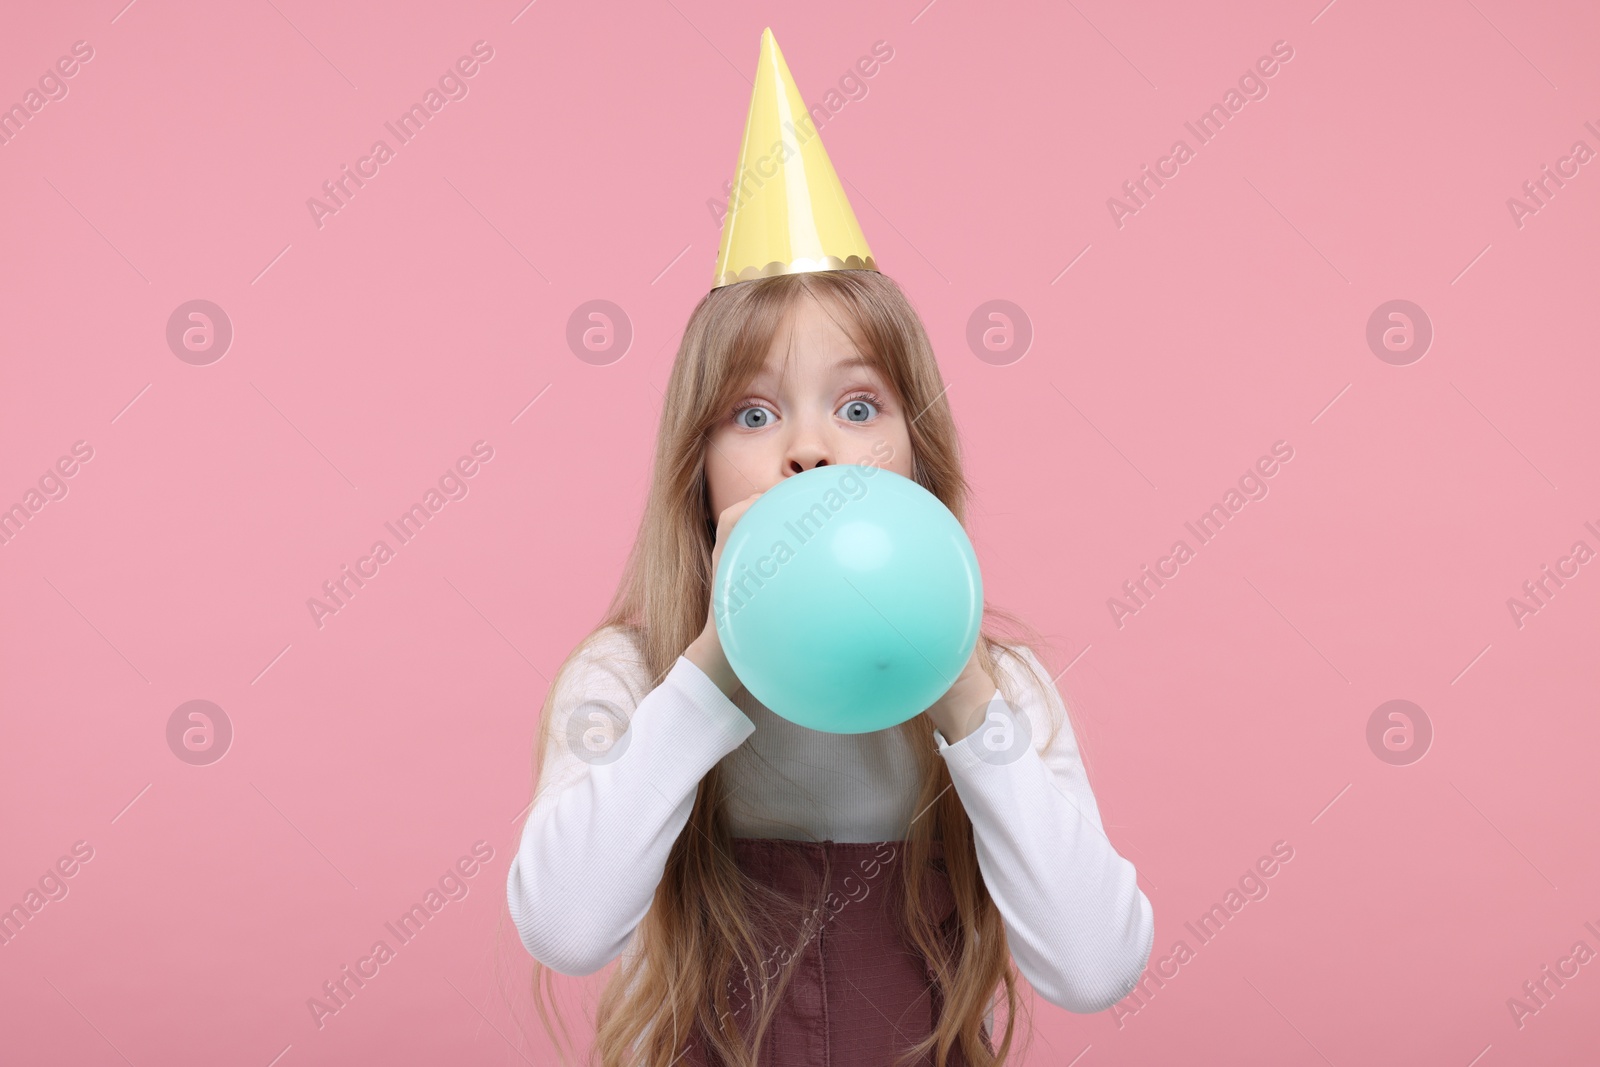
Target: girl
[[662, 842], [781, 896]]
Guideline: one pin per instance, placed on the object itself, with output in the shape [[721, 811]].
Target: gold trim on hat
[[798, 266]]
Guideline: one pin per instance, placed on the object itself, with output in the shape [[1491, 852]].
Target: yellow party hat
[[787, 212]]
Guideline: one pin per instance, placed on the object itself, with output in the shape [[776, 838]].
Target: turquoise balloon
[[847, 599]]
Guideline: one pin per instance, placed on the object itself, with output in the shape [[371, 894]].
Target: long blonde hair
[[698, 930]]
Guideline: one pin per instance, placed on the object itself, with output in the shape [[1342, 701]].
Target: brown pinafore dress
[[860, 994]]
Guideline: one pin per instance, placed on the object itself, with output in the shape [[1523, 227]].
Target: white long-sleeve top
[[605, 817]]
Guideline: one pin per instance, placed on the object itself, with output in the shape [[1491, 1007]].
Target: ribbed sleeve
[[597, 838], [610, 806], [1079, 927]]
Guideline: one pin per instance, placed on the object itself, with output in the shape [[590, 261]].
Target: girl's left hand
[[962, 708]]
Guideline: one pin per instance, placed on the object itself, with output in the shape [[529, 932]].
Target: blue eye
[[761, 418], [862, 408]]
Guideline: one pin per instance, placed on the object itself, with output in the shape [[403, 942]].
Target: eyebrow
[[852, 363]]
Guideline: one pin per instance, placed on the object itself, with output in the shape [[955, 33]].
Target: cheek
[[716, 478], [899, 439], [726, 456], [902, 456]]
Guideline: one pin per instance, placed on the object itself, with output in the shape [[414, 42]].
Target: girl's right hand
[[705, 651]]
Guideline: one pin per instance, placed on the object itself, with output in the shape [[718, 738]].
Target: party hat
[[787, 212]]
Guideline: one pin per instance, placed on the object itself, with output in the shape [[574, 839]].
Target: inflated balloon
[[847, 598]]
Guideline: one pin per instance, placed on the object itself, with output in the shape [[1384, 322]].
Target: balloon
[[847, 599]]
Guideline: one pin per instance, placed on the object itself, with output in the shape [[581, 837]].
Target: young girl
[[777, 895]]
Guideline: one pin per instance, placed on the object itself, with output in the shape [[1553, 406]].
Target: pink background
[[1229, 313]]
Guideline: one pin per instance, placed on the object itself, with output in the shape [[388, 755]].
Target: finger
[[729, 517]]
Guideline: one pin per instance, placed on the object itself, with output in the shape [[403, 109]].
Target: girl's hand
[[705, 651], [964, 705]]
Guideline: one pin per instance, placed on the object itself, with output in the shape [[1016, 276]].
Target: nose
[[809, 442], [805, 454]]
